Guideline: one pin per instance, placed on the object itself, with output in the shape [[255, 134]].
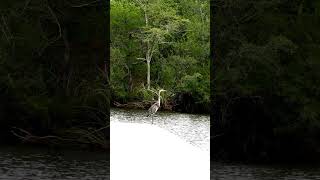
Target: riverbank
[[48, 145], [249, 133], [166, 106], [73, 137], [55, 121], [67, 139]]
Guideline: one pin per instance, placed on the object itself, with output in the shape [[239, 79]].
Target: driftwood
[[28, 137], [218, 135], [141, 105]]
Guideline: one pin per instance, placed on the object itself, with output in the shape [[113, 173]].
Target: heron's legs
[[151, 119]]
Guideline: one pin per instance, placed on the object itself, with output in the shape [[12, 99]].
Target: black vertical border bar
[[212, 59], [107, 78]]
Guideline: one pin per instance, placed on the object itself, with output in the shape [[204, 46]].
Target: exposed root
[[85, 138], [141, 105]]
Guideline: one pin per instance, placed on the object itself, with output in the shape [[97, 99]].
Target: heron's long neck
[[159, 99]]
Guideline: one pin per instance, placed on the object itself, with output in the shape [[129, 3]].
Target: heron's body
[[154, 108]]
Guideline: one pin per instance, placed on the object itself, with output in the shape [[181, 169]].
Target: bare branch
[[218, 135], [32, 138], [56, 38], [153, 49], [57, 21], [86, 4], [95, 131], [144, 59], [165, 42], [4, 30], [152, 91], [25, 6]]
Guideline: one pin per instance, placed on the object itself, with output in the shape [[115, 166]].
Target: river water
[[195, 129], [174, 147], [43, 164], [34, 163], [238, 171]]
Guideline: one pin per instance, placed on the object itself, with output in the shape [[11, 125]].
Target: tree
[[166, 40], [266, 79], [159, 26]]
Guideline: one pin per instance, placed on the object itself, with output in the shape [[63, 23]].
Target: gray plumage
[[154, 108]]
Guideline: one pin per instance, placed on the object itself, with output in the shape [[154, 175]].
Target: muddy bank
[[182, 102]]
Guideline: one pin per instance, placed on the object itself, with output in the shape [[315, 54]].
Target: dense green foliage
[[51, 53], [175, 39], [266, 79]]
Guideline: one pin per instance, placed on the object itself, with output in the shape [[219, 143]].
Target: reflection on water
[[33, 163], [221, 171], [194, 129]]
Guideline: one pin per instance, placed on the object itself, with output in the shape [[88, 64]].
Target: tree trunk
[[148, 57], [66, 66], [148, 74]]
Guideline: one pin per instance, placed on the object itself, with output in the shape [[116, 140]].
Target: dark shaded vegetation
[[266, 80], [170, 36], [53, 87]]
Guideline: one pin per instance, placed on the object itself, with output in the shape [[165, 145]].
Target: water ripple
[[194, 129], [31, 163]]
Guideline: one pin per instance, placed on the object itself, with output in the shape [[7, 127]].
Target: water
[[33, 163], [194, 129], [174, 147], [236, 171]]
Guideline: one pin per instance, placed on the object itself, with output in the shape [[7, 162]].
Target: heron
[[154, 108]]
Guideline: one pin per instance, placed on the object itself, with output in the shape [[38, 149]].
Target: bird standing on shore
[[154, 108]]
